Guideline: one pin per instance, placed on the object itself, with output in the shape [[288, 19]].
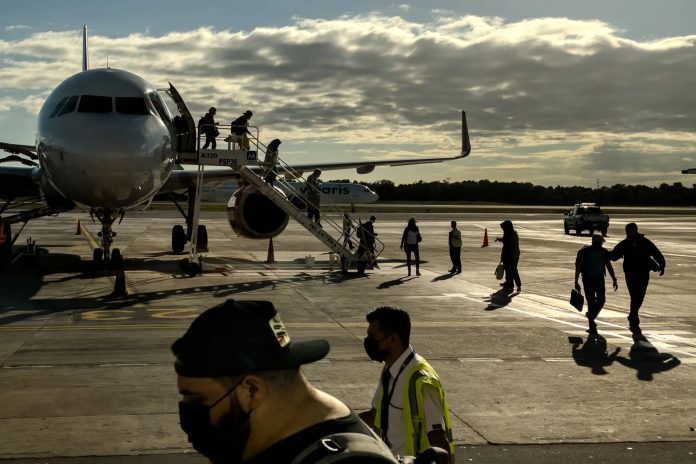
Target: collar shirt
[[433, 412]]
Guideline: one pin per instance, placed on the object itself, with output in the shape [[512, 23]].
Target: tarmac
[[88, 377]]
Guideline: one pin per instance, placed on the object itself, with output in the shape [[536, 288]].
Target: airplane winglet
[[466, 144], [85, 63]]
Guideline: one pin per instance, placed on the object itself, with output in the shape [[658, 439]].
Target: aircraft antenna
[[85, 64]]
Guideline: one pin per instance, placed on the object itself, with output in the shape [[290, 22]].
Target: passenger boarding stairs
[[253, 170], [328, 232]]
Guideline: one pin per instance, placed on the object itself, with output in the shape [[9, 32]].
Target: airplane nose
[[113, 168]]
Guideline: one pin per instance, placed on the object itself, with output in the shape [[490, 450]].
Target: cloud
[[18, 27], [543, 95], [404, 7]]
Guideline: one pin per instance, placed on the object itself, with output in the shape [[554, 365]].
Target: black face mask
[[373, 351], [221, 443]]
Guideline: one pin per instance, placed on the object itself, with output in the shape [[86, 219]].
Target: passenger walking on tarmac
[[455, 248], [409, 243], [245, 397], [240, 129], [347, 229], [510, 255], [206, 125], [370, 235], [409, 410], [271, 161], [313, 196], [591, 262], [640, 256]]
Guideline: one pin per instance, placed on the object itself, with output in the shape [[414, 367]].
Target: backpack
[[358, 448]]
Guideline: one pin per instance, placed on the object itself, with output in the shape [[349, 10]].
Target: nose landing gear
[[105, 257]]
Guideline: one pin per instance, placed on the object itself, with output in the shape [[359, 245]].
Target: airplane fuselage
[[102, 139]]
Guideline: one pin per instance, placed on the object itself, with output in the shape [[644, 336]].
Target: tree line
[[525, 193]]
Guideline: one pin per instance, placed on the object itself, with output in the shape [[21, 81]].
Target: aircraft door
[[184, 125]]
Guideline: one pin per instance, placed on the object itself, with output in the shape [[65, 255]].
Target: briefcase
[[576, 299]]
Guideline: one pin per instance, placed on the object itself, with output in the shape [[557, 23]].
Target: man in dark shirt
[[245, 398], [206, 126], [240, 129], [591, 263], [640, 257]]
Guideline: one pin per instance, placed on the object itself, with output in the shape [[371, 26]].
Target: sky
[[557, 92]]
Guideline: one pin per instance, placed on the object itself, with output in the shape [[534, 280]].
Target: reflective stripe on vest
[[415, 429]]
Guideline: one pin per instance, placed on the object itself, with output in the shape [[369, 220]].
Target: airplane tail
[[85, 64]]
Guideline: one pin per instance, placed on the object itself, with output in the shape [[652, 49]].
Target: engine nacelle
[[253, 215]]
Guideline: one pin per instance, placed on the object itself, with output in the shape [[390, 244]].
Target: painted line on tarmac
[[90, 238], [656, 337]]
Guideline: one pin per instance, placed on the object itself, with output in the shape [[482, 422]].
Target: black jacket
[[638, 254]]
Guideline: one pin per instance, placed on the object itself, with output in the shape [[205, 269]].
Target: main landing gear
[[180, 236]]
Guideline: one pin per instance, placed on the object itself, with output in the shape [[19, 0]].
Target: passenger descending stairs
[[347, 256]]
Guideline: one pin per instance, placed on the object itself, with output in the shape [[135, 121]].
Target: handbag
[[419, 238], [652, 264], [576, 299], [499, 271]]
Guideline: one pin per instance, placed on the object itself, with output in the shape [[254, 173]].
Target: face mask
[[373, 351], [221, 443]]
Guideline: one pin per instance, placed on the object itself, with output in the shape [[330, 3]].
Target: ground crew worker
[[455, 248], [245, 399], [409, 410], [591, 262]]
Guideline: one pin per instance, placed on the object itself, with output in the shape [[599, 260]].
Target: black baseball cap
[[241, 337]]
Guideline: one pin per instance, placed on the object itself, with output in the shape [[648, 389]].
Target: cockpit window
[[95, 104], [69, 106], [131, 105], [157, 103], [57, 107]]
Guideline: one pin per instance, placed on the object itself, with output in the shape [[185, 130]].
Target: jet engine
[[253, 215]]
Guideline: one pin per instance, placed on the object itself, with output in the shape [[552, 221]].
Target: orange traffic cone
[[271, 256], [79, 229], [485, 238]]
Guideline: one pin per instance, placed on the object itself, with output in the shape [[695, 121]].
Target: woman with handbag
[[410, 239], [510, 255]]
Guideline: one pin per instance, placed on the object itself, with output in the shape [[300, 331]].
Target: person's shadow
[[500, 299], [593, 353], [647, 360]]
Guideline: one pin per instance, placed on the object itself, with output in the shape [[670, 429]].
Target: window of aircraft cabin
[[95, 104], [159, 106], [131, 105], [57, 107], [69, 106]]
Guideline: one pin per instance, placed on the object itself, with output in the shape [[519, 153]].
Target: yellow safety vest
[[415, 428]]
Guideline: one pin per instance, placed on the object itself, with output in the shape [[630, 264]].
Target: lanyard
[[387, 396]]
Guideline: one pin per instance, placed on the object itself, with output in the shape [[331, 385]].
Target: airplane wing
[[181, 179], [26, 150]]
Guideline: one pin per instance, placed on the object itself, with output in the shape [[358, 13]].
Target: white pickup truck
[[586, 216]]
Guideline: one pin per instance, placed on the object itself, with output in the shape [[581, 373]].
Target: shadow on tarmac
[[647, 360], [643, 356], [392, 283], [36, 307], [500, 299], [593, 353]]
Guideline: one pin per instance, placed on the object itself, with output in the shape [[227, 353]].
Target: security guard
[[409, 410]]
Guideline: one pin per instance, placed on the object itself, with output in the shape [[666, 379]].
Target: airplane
[[345, 193], [107, 143], [689, 171]]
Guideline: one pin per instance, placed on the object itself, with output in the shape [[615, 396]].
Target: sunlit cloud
[[544, 96]]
